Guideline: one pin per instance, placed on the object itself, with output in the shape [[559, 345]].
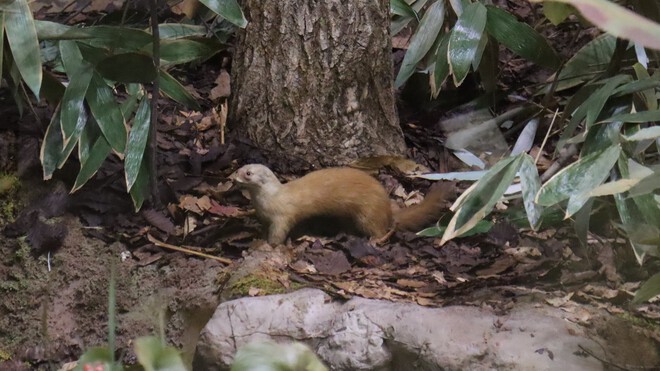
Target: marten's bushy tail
[[417, 217]]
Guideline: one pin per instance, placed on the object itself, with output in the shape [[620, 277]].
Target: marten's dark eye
[[248, 173]]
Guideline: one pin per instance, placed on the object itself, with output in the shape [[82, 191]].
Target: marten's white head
[[254, 177]]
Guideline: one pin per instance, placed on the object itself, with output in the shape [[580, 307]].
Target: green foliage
[[611, 119], [99, 61], [461, 48]]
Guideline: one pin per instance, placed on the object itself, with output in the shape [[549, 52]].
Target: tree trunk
[[312, 80]]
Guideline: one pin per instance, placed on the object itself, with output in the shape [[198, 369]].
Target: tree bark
[[312, 80]]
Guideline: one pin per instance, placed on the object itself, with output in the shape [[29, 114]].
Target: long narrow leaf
[[531, 184], [137, 142], [228, 9], [481, 197], [73, 101], [520, 38], [107, 113], [464, 40], [173, 89], [23, 42], [422, 40], [51, 148], [579, 177], [98, 153]]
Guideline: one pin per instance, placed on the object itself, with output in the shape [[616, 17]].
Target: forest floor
[[53, 308]]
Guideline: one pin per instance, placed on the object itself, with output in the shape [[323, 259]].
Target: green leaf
[[73, 101], [117, 39], [51, 148], [23, 42], [648, 96], [137, 142], [588, 62], [441, 68], [482, 226], [178, 30], [595, 104], [153, 355], [482, 196], [400, 7], [128, 67], [178, 51], [531, 184], [636, 117], [173, 89], [557, 12], [227, 9], [47, 30], [107, 113], [645, 134], [97, 154], [520, 38], [464, 40], [618, 21], [579, 177], [140, 190], [648, 290], [636, 86], [422, 41]]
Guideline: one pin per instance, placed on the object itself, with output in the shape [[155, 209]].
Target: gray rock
[[364, 334]]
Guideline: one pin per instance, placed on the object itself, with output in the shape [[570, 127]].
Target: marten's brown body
[[340, 192]]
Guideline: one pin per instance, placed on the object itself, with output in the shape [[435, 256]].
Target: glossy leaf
[[400, 7], [179, 51], [47, 30], [422, 41], [51, 147], [22, 37], [441, 68], [531, 184], [579, 177], [73, 101], [597, 101], [464, 40], [137, 142], [107, 113], [140, 190], [228, 9], [589, 61], [128, 68], [648, 95], [399, 23], [97, 154], [618, 21], [117, 38], [178, 30], [645, 134], [520, 38], [636, 117], [173, 89], [479, 199]]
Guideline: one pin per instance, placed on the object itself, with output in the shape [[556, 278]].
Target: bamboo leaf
[[422, 41], [128, 68], [107, 113], [520, 38], [228, 9], [97, 154], [137, 142], [464, 40], [173, 89], [23, 42], [578, 178]]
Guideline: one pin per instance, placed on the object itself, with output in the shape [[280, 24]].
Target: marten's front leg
[[278, 230]]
